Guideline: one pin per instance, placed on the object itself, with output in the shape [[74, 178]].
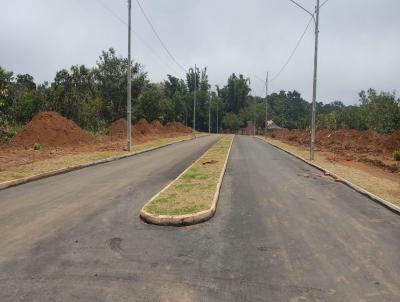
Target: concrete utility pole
[[209, 115], [314, 100], [217, 119], [194, 98], [312, 146], [129, 90], [266, 105]]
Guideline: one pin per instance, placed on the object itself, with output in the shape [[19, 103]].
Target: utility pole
[[129, 92], [194, 99], [312, 146], [314, 100], [266, 105], [217, 119], [209, 115]]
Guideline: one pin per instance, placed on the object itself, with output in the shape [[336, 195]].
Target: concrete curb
[[20, 181], [377, 199], [188, 219]]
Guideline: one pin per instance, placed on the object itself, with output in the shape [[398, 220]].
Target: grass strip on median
[[194, 191]]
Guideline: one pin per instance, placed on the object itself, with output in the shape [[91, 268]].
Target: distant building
[[250, 129], [273, 126]]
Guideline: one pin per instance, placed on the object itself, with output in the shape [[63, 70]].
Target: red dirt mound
[[177, 127], [393, 141], [51, 129], [158, 127], [144, 131], [143, 127], [141, 131], [348, 144], [117, 129]]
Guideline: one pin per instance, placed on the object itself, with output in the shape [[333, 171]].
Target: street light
[[129, 90], [314, 99], [266, 104]]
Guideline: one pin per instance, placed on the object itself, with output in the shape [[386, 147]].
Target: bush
[[396, 155], [38, 147]]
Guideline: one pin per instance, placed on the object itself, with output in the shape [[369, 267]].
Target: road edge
[[21, 181], [387, 204], [188, 219]]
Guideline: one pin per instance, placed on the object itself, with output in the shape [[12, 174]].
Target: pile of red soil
[[177, 127], [117, 129], [393, 141], [158, 127], [143, 127], [344, 139], [51, 129], [144, 131], [349, 144]]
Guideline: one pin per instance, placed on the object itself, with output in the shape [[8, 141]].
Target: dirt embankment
[[51, 129], [349, 145], [144, 131], [60, 136]]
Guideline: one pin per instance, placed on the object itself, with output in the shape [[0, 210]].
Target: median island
[[192, 197]]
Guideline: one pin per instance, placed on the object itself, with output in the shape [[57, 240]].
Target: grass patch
[[194, 191], [64, 161], [378, 185]]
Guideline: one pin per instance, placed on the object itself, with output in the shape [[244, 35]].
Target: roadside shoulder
[[20, 181], [389, 205]]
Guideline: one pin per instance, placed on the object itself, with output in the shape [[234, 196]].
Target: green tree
[[381, 112], [231, 121], [152, 104], [111, 82], [235, 92]]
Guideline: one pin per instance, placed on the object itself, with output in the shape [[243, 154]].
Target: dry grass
[[194, 191], [378, 185], [47, 165]]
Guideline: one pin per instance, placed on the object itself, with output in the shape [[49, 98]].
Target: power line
[[112, 12], [294, 50], [323, 3], [301, 7], [159, 38], [122, 21]]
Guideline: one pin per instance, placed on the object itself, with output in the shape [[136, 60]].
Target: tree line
[[95, 97]]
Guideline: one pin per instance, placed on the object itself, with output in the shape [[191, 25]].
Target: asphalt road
[[282, 232]]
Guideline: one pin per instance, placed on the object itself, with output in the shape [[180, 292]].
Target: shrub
[[396, 155], [38, 147]]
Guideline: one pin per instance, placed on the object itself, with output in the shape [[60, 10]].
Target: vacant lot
[[51, 142]]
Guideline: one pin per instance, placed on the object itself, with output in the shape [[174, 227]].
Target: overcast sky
[[359, 40]]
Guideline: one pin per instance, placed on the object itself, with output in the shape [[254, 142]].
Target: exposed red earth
[[60, 136], [348, 145]]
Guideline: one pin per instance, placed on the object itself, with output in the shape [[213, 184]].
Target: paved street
[[282, 232]]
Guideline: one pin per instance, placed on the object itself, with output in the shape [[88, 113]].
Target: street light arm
[[304, 9]]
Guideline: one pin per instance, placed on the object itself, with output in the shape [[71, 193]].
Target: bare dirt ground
[[56, 137], [350, 147]]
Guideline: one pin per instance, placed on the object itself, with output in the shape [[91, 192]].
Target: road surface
[[282, 232]]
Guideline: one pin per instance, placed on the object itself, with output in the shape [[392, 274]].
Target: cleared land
[[283, 232], [64, 161], [349, 146], [195, 189], [373, 179], [51, 142]]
